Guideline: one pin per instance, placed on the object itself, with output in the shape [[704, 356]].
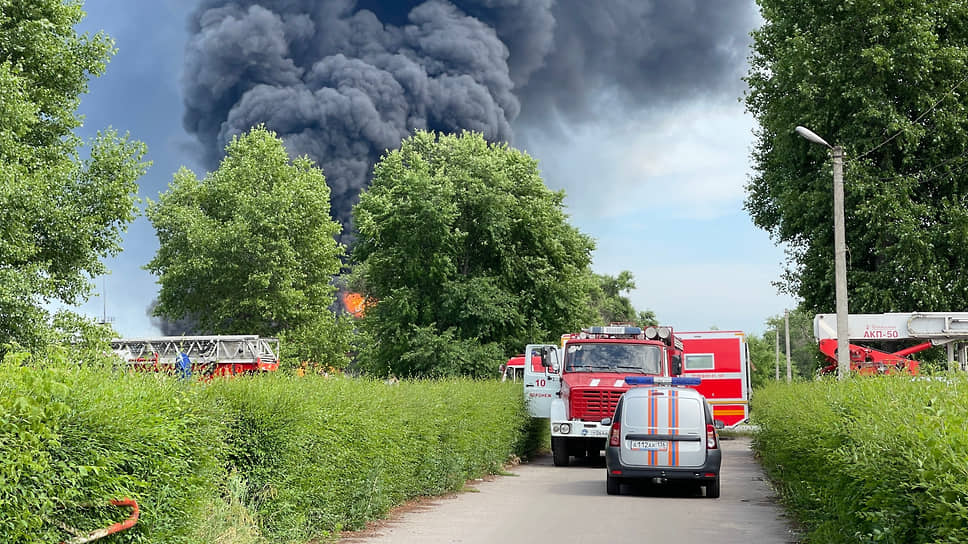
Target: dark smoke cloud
[[186, 326], [342, 80]]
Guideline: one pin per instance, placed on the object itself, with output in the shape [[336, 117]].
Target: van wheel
[[613, 486], [712, 489], [559, 451]]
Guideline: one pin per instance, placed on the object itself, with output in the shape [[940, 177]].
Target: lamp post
[[840, 251]]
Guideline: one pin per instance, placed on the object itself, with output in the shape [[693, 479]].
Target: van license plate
[[648, 445]]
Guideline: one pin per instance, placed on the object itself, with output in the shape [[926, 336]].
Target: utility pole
[[777, 338], [105, 319], [840, 265], [840, 250], [786, 320]]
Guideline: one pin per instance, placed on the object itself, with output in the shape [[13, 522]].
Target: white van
[[662, 433]]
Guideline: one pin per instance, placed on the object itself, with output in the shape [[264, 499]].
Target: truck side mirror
[[549, 359], [676, 365], [718, 423]]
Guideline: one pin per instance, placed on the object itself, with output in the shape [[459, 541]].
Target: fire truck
[[949, 329], [201, 356], [513, 370], [721, 360], [580, 382]]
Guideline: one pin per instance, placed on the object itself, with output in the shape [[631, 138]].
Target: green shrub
[[875, 459], [322, 455], [72, 438], [266, 458]]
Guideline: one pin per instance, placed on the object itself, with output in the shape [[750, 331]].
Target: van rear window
[[688, 411]]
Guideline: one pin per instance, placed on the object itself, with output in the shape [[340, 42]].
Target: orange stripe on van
[[673, 447], [653, 405]]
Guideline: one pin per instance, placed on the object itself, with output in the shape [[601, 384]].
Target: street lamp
[[840, 251]]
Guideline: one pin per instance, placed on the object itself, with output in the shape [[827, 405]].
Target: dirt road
[[543, 503]]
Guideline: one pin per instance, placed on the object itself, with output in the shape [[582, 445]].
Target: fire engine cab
[[513, 370], [580, 382]]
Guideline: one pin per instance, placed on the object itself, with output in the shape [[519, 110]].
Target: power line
[[898, 133]]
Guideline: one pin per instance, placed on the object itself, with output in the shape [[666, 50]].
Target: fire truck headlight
[[565, 428], [555, 428], [651, 333]]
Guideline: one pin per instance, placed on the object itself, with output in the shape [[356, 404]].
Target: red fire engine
[[202, 356], [579, 384], [949, 329], [721, 360], [513, 370]]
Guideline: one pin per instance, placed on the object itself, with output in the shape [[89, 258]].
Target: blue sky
[[660, 191]]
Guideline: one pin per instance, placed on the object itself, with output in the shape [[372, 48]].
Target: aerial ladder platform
[[205, 356], [949, 329]]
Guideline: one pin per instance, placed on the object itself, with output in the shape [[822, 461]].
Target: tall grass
[[323, 455], [73, 438], [258, 459], [875, 459]]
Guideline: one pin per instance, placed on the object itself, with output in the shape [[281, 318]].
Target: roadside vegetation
[[268, 458], [872, 459]]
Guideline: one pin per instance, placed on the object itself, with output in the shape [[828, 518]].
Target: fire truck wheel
[[559, 451], [613, 486], [712, 489]]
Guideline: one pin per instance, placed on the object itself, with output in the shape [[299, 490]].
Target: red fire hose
[[116, 528]]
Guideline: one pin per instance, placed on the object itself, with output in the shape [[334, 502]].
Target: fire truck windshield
[[612, 357]]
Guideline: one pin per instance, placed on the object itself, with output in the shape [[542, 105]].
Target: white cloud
[[662, 193], [692, 161]]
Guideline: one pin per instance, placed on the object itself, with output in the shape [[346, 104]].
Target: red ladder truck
[[203, 356], [949, 329]]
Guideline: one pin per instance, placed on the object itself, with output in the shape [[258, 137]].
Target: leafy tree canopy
[[468, 255], [250, 248], [887, 81], [60, 214], [612, 306]]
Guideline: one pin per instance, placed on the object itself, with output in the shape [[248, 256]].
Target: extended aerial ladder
[[949, 329], [204, 356]]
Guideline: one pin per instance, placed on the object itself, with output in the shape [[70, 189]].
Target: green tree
[[805, 358], [611, 306], [762, 359], [646, 318], [468, 257], [250, 248], [887, 81], [61, 214]]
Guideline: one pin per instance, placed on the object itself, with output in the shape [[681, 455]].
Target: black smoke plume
[[343, 80], [186, 326]]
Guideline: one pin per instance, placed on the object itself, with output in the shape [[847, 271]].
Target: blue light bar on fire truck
[[661, 380]]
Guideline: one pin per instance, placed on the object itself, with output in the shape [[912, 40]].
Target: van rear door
[[663, 427]]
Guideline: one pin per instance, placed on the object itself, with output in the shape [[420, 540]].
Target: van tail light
[[712, 441], [615, 435]]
